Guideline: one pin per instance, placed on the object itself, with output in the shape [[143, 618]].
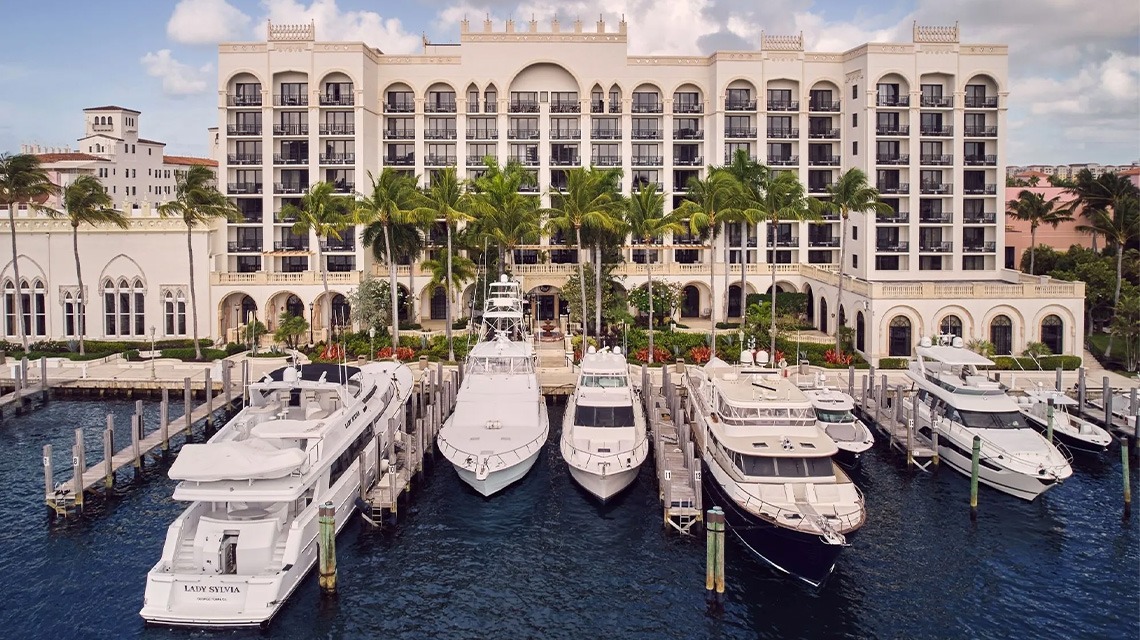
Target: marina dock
[[25, 392], [890, 410], [674, 456]]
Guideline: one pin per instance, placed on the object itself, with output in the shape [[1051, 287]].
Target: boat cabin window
[[839, 416], [783, 467], [986, 419], [500, 365], [604, 381], [587, 416], [761, 415]]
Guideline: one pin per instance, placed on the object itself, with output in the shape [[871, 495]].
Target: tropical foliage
[[22, 181]]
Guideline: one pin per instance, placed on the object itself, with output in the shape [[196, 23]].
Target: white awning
[[251, 459]]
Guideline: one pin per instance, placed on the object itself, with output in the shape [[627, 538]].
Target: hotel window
[[33, 302], [174, 313], [123, 308], [73, 314]]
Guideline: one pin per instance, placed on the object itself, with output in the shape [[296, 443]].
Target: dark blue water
[[542, 560]]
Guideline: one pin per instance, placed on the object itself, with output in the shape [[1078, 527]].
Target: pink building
[[1017, 231]]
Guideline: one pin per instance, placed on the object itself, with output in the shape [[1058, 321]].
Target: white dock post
[[227, 393], [49, 472], [871, 377], [851, 381], [1134, 402], [245, 381], [1107, 400], [362, 474], [164, 419], [1059, 384], [136, 451], [186, 402], [1080, 390], [863, 394], [209, 400], [79, 461], [910, 429], [43, 379], [142, 423], [108, 453], [914, 424], [24, 371]]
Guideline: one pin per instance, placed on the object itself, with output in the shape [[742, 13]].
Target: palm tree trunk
[[842, 262], [649, 277], [582, 290], [326, 303], [712, 289], [16, 273], [193, 293], [743, 272], [392, 291], [447, 294], [1115, 296], [772, 329], [1032, 249], [598, 289], [81, 300]]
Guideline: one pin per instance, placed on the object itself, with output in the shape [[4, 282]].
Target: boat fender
[[364, 508]]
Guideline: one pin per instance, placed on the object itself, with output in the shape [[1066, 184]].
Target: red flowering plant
[[831, 356], [402, 353], [700, 354], [659, 355]]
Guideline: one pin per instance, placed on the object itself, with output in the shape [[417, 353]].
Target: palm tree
[[1119, 223], [85, 201], [589, 203], [850, 193], [456, 270], [1036, 210], [198, 202], [445, 200], [647, 222], [325, 214], [504, 216], [707, 205], [751, 175], [22, 181], [393, 201]]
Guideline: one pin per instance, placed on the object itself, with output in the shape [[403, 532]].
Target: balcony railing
[[399, 107], [439, 160], [522, 106], [935, 217], [824, 161], [337, 129], [244, 246], [652, 107], [898, 130], [787, 241], [793, 132], [439, 134], [823, 242], [937, 247], [328, 100], [291, 100], [896, 158], [986, 217], [942, 131], [250, 217], [243, 129], [565, 134], [566, 161], [980, 161], [936, 159], [823, 105], [819, 187], [284, 218], [344, 187], [439, 107], [291, 245], [344, 244], [688, 107], [243, 188], [290, 129], [898, 246], [400, 134], [597, 106], [693, 161], [475, 161], [566, 107], [783, 161], [491, 106], [605, 134], [647, 161], [338, 158], [728, 157], [900, 188], [822, 134], [981, 132], [483, 134], [896, 217], [983, 247], [528, 188], [783, 105], [243, 158], [938, 102], [688, 134], [980, 190], [739, 132], [739, 105], [522, 134], [615, 107], [942, 188], [526, 160], [981, 102], [243, 99], [646, 134], [288, 187], [605, 161], [290, 159], [892, 101]]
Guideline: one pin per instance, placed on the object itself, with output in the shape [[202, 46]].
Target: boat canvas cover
[[955, 356], [251, 459]]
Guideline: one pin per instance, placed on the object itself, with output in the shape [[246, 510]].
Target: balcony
[[243, 188], [652, 107], [606, 161], [284, 218], [567, 161], [597, 106], [337, 129], [439, 160], [249, 217], [824, 161], [898, 246], [822, 134], [291, 100], [691, 107], [940, 131], [823, 243], [980, 161], [900, 188], [339, 246], [892, 101], [897, 158], [895, 217], [728, 157], [296, 244], [605, 134], [400, 134], [987, 217], [646, 134], [475, 161], [102, 127], [981, 132], [526, 160], [338, 158], [566, 107], [936, 102], [784, 105], [819, 187], [439, 134], [288, 187], [439, 107], [328, 100], [528, 188], [290, 159], [483, 134], [647, 161], [936, 159], [938, 188], [782, 133], [980, 189], [897, 130], [244, 246], [739, 132], [243, 158], [739, 105], [979, 247], [565, 134], [787, 241], [981, 102], [823, 105], [783, 161], [522, 134], [400, 107], [243, 129], [935, 217], [344, 187], [243, 99], [692, 161], [522, 106], [290, 129], [491, 106], [936, 247], [688, 134], [615, 108]]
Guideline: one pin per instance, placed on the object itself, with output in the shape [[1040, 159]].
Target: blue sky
[[1075, 73]]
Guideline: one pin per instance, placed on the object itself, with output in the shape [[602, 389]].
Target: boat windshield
[[604, 381], [587, 416], [834, 417], [783, 467], [765, 415], [500, 365], [987, 419]]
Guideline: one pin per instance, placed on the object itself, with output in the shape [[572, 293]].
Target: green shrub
[[893, 363], [235, 347], [409, 326], [186, 354], [460, 324], [728, 325]]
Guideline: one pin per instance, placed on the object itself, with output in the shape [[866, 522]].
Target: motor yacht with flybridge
[[1077, 434], [603, 430], [768, 464], [835, 412], [249, 536], [499, 425], [959, 402]]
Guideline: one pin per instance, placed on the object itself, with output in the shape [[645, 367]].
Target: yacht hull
[[848, 458], [1074, 443], [1018, 485], [604, 487], [802, 555], [500, 479]]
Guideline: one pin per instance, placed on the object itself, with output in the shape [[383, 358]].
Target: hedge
[[1044, 363], [893, 363]]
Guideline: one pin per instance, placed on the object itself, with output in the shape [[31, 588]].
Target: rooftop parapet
[[935, 34], [532, 27], [291, 32], [781, 43]]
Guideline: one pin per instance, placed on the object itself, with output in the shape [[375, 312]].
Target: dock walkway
[[891, 411], [674, 454]]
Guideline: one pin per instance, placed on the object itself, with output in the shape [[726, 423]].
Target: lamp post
[[153, 373], [371, 347], [312, 321]]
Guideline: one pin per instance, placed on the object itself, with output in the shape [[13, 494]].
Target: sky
[[1074, 64]]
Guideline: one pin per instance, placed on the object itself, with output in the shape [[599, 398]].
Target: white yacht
[[960, 403], [835, 412], [499, 425], [1075, 433], [249, 536], [603, 430], [768, 464]]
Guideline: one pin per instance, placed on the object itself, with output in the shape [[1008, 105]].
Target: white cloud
[[206, 22], [387, 34], [178, 79]]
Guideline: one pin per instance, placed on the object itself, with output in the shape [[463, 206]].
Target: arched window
[[898, 338], [1053, 333], [138, 306], [341, 312], [951, 325], [109, 308], [823, 315], [690, 302], [1001, 335], [124, 305], [38, 310], [10, 308], [734, 301], [842, 317], [294, 306], [860, 331], [174, 313], [33, 308]]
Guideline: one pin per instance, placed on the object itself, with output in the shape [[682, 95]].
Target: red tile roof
[[112, 107], [48, 158], [189, 160]]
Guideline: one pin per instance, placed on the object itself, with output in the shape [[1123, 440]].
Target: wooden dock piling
[[187, 399], [327, 548], [136, 448], [975, 459], [108, 455], [1106, 398], [79, 462], [1127, 476], [164, 420], [209, 400], [1080, 389], [1049, 420]]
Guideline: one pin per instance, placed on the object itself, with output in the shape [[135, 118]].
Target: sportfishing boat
[[249, 536], [835, 412], [1073, 432], [768, 464], [499, 425], [959, 402], [603, 430]]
